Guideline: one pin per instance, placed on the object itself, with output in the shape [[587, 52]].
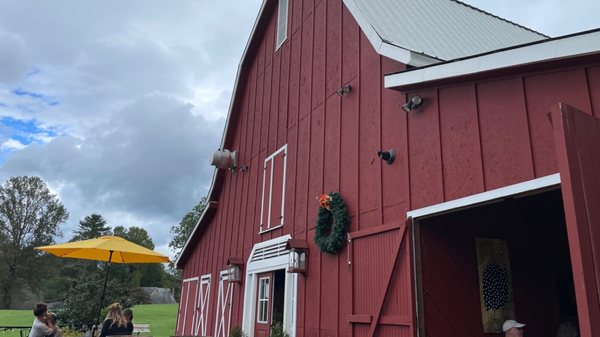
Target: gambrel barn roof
[[413, 32]]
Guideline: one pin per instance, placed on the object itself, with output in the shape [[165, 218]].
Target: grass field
[[161, 317]]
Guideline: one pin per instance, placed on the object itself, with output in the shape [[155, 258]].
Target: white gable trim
[[485, 197], [555, 49], [383, 48]]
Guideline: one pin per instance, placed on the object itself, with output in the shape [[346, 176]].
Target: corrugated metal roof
[[443, 29]]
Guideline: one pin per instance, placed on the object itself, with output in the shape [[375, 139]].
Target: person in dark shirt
[[115, 323], [128, 314]]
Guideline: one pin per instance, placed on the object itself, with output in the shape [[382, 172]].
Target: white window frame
[[253, 268], [282, 14], [266, 227], [264, 300]]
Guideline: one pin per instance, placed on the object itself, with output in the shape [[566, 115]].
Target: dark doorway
[[534, 230], [278, 296]]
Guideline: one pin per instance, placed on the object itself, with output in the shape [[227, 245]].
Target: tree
[[29, 217], [91, 227], [141, 274], [183, 230]]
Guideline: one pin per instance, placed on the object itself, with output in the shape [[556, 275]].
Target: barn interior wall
[[534, 229], [466, 139]]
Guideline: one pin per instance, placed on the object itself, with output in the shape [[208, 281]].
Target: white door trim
[[253, 268], [486, 197]]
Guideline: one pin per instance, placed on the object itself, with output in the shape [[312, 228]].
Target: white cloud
[[12, 144]]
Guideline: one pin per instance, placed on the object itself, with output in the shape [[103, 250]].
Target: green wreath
[[332, 223]]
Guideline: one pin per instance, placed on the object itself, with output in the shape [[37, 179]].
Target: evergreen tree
[[91, 227]]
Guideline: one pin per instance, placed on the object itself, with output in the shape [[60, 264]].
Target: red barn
[[489, 211]]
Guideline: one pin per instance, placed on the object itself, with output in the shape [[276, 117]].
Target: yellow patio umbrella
[[106, 248]]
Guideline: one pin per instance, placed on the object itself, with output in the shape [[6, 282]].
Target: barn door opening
[[269, 302], [267, 265], [577, 144], [507, 259]]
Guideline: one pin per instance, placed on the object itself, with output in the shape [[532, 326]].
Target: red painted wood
[[370, 142], [302, 171], [266, 195], [461, 149], [294, 98], [284, 84], [333, 65], [426, 184], [296, 15], [331, 157], [266, 109], [593, 77], [315, 181], [394, 178], [577, 137], [504, 133], [306, 66], [275, 112], [277, 194], [319, 52], [312, 314], [543, 91], [350, 50], [290, 183]]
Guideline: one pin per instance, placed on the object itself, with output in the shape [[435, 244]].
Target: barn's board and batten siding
[[467, 138]]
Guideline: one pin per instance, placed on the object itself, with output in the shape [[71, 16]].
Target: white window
[[282, 20], [273, 195], [263, 300]]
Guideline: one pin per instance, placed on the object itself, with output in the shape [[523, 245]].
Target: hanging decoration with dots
[[495, 285]]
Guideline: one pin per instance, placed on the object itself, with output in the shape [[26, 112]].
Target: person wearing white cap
[[512, 328]]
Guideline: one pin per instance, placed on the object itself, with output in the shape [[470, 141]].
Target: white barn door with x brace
[[223, 305], [202, 306]]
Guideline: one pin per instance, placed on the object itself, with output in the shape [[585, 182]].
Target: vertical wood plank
[[504, 133]]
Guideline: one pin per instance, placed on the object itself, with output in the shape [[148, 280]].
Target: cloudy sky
[[118, 105]]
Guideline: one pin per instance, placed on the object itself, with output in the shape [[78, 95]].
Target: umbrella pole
[[104, 289]]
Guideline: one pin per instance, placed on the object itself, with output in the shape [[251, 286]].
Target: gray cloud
[[146, 166]]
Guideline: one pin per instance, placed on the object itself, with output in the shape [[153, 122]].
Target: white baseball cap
[[509, 324]]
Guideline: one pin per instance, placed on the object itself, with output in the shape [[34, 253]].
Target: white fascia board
[[485, 197], [571, 46]]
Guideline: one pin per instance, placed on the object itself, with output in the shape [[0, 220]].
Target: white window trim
[[250, 289], [278, 43], [260, 279], [266, 227]]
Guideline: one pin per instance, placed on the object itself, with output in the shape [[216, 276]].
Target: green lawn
[[161, 317]]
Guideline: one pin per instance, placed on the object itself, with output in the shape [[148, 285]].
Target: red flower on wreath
[[324, 200]]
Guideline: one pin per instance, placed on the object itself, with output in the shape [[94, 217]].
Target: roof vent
[[225, 159]]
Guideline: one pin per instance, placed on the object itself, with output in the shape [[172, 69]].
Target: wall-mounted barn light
[[414, 103], [298, 250], [388, 156], [234, 269], [343, 91], [225, 159]]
